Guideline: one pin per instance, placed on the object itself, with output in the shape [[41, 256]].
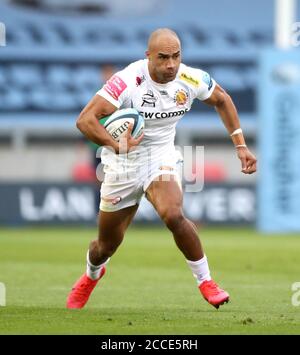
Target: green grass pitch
[[148, 287]]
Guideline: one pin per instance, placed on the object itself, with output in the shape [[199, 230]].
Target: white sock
[[200, 270], [94, 271]]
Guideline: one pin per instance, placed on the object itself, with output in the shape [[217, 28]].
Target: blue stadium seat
[[86, 77], [25, 75], [13, 100], [64, 101], [83, 96], [53, 100], [18, 35], [53, 62], [59, 76]]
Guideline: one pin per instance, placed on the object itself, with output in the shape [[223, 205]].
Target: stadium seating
[[52, 62], [67, 87]]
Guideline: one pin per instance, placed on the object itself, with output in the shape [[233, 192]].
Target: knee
[[173, 218]]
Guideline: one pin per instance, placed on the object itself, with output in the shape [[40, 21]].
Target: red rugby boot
[[213, 294], [82, 290]]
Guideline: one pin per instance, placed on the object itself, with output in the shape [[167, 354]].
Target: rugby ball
[[117, 123]]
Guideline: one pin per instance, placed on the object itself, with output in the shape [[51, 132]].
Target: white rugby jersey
[[162, 105]]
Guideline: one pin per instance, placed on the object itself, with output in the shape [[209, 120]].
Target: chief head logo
[[181, 97]]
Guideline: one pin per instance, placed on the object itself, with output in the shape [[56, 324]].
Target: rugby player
[[162, 89]]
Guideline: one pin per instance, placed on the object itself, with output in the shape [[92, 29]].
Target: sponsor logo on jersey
[[115, 86], [139, 80], [208, 80], [189, 79], [159, 115], [181, 97], [149, 99]]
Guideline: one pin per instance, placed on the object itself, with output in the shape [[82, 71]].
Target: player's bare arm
[[228, 113], [88, 124]]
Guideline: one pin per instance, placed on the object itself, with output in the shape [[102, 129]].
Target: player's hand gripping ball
[[117, 123]]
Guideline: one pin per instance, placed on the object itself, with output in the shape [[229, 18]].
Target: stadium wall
[[75, 204]]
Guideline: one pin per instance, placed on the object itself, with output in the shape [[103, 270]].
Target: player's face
[[164, 61]]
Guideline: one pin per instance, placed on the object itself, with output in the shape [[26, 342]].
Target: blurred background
[[59, 53], [54, 56]]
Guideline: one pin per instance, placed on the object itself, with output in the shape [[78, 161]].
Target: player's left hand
[[247, 159]]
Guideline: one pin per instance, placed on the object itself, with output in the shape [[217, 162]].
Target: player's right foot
[[213, 293], [82, 290]]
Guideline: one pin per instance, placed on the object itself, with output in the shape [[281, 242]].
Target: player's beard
[[170, 76], [167, 76]]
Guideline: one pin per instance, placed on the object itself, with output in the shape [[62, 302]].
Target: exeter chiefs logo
[[149, 99], [181, 97]]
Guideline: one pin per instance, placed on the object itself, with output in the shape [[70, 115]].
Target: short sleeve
[[206, 85], [116, 89], [200, 83]]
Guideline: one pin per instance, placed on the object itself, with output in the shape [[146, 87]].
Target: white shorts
[[124, 186]]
